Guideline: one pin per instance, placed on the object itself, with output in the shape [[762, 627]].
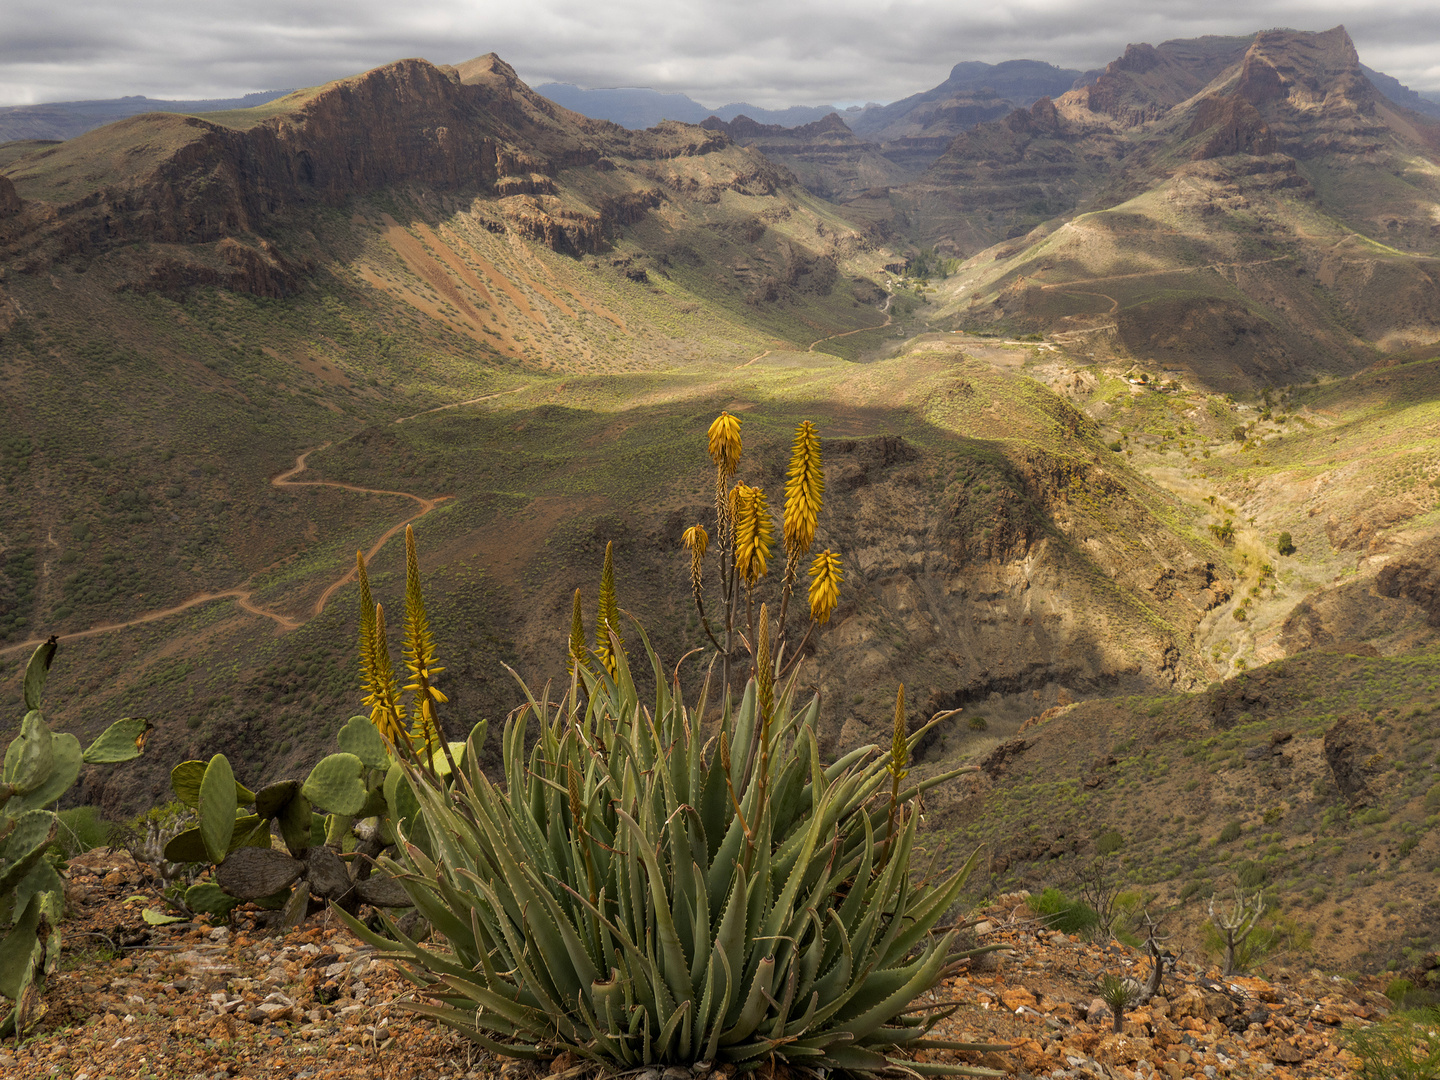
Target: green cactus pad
[[295, 828], [21, 951], [272, 799], [209, 898], [25, 846], [29, 758], [186, 847], [251, 830], [35, 672], [185, 782], [42, 881], [360, 738], [335, 784], [64, 771], [121, 741], [217, 807]]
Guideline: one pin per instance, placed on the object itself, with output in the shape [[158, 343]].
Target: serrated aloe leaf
[[336, 784], [359, 737], [121, 741], [217, 808], [36, 671]]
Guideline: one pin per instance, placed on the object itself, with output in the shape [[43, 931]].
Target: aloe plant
[[40, 767], [638, 894]]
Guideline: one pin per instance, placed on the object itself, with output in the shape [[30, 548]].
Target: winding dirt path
[[888, 320], [458, 404], [425, 506], [832, 337], [243, 595], [1065, 286]]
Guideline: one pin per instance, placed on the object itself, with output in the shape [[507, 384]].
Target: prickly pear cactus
[[350, 805], [40, 766]]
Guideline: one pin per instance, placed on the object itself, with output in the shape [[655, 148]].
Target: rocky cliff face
[[826, 156], [185, 180], [1148, 81], [1311, 91], [1230, 125]]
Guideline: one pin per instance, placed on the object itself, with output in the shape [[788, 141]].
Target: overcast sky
[[767, 52]]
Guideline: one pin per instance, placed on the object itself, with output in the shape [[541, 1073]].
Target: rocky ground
[[193, 1001]]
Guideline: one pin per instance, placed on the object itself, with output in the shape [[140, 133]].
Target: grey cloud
[[778, 53]]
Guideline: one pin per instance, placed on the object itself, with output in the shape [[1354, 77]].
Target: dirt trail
[[1216, 266], [243, 595], [888, 320], [454, 405]]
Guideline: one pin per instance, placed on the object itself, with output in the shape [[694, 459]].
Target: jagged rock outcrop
[[826, 156], [1312, 92], [1415, 578], [1148, 81], [1350, 753], [9, 199], [1231, 125]]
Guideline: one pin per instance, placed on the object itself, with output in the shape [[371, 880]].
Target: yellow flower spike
[[696, 540], [899, 745], [754, 533], [577, 639], [386, 712], [764, 670], [607, 616], [804, 489], [725, 443], [826, 575]]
